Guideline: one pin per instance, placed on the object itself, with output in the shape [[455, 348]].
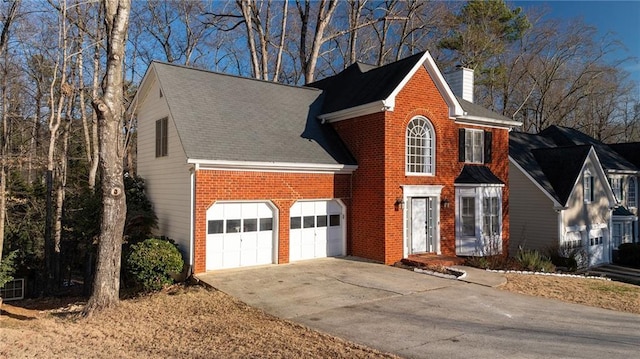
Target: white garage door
[[316, 230], [239, 235]]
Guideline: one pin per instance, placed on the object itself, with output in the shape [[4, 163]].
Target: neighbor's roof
[[224, 117], [610, 159], [630, 151], [555, 169]]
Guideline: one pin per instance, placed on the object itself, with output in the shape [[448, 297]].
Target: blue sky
[[619, 17]]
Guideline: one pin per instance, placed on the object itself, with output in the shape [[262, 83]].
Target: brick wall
[[282, 189], [378, 143]]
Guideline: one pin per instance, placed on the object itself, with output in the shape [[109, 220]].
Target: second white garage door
[[316, 230]]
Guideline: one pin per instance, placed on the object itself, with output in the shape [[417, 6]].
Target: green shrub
[[629, 254], [7, 268], [534, 261], [151, 263], [566, 258]]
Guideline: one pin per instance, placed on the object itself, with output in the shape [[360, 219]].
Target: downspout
[[192, 237]]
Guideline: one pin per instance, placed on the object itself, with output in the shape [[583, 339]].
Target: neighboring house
[[569, 191], [377, 162]]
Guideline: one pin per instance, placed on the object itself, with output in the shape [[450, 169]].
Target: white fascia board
[[143, 88], [455, 109], [362, 110], [556, 204], [255, 166], [622, 172], [487, 122]]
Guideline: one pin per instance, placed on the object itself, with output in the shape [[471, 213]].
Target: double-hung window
[[616, 187], [474, 146], [588, 186], [420, 147], [632, 197]]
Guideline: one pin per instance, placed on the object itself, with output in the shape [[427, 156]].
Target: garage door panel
[[315, 230], [239, 234]]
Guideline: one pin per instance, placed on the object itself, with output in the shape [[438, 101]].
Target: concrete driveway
[[421, 316]]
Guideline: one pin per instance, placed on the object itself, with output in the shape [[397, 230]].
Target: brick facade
[[282, 189], [378, 142]]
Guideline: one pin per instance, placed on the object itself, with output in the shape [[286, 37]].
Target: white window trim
[[618, 188], [478, 192], [469, 133], [634, 203], [587, 175], [429, 127]]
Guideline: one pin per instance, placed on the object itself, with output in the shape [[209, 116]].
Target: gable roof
[[611, 160], [555, 169], [542, 161], [562, 168], [361, 84], [229, 118], [364, 89]]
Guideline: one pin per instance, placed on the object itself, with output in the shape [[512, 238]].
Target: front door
[[423, 225]]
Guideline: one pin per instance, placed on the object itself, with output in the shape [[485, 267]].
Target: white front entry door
[[239, 235], [423, 225], [316, 230]]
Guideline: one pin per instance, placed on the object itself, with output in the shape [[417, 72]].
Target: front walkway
[[421, 316]]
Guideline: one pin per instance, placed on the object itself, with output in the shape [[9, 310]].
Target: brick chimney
[[461, 82]]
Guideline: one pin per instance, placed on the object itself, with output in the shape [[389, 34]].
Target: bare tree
[[9, 18], [109, 108]]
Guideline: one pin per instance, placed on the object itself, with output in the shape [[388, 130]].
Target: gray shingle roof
[[473, 174], [360, 84], [556, 169], [610, 159], [473, 109], [630, 151], [224, 117]]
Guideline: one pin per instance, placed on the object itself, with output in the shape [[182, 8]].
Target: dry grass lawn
[[593, 292], [190, 322], [194, 322]]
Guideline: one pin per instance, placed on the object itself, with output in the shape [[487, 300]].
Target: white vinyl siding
[[533, 223], [167, 178], [420, 147]]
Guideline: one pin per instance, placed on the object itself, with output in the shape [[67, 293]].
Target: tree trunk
[[109, 109], [4, 36]]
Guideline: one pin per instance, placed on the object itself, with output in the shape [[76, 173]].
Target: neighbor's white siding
[[579, 213], [533, 222], [167, 178]]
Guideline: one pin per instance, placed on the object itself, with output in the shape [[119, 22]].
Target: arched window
[[420, 147]]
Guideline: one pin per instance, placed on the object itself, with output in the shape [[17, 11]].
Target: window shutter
[[461, 154], [158, 137], [488, 135]]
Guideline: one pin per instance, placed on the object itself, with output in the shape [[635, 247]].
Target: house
[[376, 162], [570, 191]]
